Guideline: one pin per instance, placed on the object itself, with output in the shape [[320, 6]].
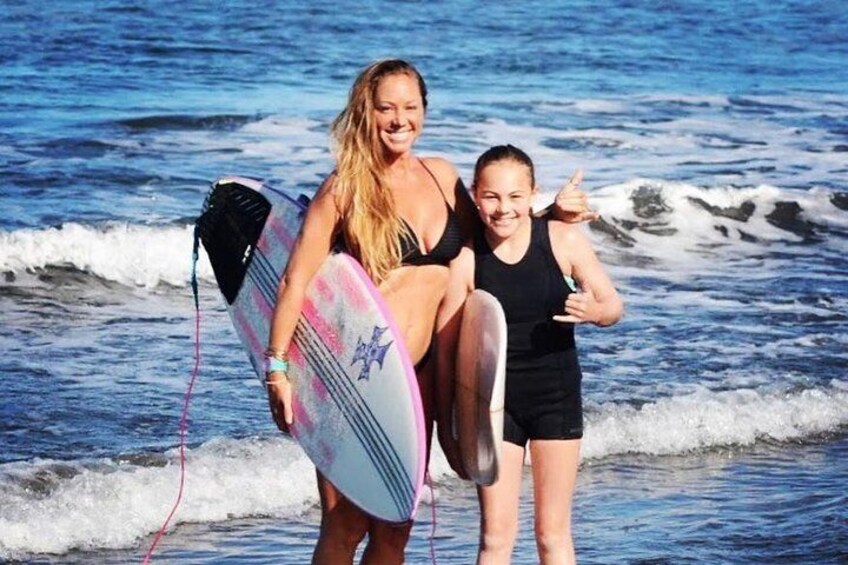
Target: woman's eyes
[[385, 109]]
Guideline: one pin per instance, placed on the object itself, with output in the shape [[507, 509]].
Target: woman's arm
[[448, 322], [598, 302], [311, 248], [571, 205]]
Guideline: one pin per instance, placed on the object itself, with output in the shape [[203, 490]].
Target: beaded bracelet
[[276, 354]]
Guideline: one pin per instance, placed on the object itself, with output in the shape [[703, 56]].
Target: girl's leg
[[554, 464], [343, 526], [499, 508]]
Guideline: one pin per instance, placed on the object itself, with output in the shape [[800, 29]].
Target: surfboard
[[357, 407], [480, 382]]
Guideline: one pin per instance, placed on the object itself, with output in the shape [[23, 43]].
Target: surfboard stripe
[[250, 335], [389, 475], [380, 442], [280, 230], [266, 277], [372, 437], [261, 303]]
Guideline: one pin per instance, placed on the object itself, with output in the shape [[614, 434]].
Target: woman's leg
[[343, 526], [554, 464], [499, 508], [387, 541]]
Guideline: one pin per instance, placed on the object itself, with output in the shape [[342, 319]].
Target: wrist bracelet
[[280, 354], [274, 365]]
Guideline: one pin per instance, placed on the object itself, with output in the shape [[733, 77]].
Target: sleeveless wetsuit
[[543, 397]]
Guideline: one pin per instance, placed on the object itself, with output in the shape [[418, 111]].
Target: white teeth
[[399, 136]]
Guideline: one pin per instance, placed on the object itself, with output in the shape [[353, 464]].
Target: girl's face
[[398, 112], [504, 194]]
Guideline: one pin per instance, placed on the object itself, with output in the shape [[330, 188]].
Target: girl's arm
[[599, 302], [311, 248], [448, 322]]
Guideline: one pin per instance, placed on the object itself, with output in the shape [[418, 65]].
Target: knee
[[552, 541], [344, 526], [497, 537], [390, 536], [386, 543]]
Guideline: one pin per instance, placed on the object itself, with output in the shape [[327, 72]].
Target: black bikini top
[[448, 247]]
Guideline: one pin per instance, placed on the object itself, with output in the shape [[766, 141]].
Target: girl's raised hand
[[572, 203]]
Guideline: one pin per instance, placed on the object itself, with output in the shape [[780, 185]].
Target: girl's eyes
[[516, 196]]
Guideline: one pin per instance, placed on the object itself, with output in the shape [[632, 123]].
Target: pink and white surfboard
[[357, 406]]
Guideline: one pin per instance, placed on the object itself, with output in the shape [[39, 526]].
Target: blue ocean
[[714, 140]]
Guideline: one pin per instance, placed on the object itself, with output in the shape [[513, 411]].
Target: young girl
[[528, 264]]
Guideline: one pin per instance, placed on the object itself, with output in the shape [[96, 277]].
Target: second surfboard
[[480, 381]]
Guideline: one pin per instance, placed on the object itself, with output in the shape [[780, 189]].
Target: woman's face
[[504, 194], [398, 112]]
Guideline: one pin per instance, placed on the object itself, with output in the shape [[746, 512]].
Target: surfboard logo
[[370, 352]]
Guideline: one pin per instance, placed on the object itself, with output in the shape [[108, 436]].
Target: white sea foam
[[114, 505], [145, 256], [696, 232], [707, 419], [104, 504], [133, 255]]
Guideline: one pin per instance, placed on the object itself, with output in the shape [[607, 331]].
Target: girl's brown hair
[[503, 153]]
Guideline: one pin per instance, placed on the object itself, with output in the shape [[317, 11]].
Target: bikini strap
[[435, 180]]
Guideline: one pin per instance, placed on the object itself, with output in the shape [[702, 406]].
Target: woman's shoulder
[[440, 167], [450, 183], [329, 194]]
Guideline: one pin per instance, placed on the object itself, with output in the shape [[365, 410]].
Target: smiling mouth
[[399, 136]]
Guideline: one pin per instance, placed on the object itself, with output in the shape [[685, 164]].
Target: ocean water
[[714, 138]]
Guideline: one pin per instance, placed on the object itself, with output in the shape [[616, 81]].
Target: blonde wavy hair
[[370, 223]]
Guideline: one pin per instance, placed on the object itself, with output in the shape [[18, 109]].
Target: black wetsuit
[[543, 399]]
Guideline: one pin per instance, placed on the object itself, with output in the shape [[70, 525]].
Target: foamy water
[[107, 503]]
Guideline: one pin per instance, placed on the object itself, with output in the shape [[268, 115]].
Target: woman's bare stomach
[[413, 295]]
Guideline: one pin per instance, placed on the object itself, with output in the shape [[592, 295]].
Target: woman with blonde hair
[[404, 218]]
